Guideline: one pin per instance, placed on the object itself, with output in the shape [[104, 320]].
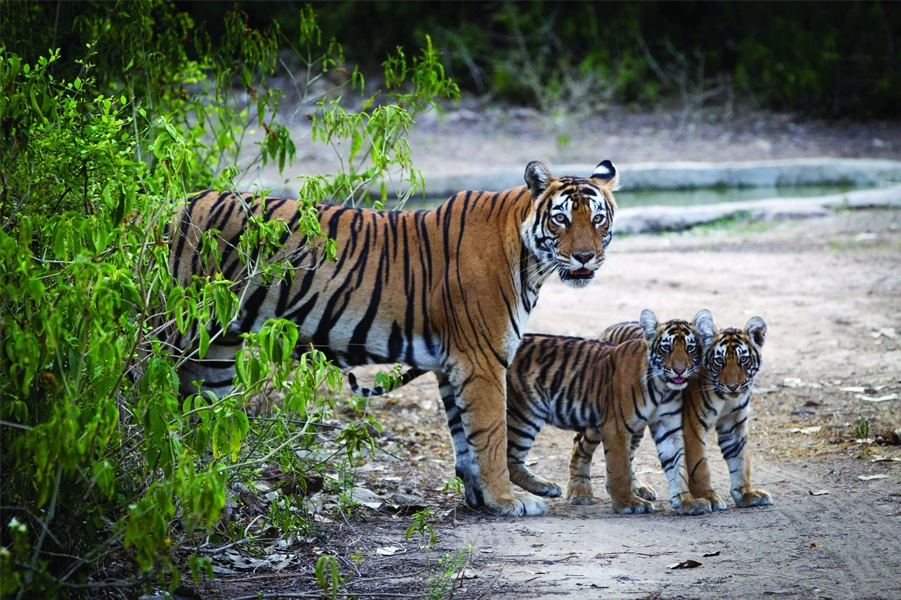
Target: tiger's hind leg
[[578, 488], [476, 417]]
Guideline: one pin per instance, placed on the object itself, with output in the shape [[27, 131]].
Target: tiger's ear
[[648, 322], [756, 328], [537, 178], [704, 327], [606, 174]]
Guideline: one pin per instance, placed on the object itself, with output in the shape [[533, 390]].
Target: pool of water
[[693, 197]]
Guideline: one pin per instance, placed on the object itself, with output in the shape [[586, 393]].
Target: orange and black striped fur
[[447, 290], [719, 397], [606, 393]]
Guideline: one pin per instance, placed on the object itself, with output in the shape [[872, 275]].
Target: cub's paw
[[751, 498], [517, 504], [687, 505], [645, 491], [578, 493], [538, 485], [716, 502], [634, 505]]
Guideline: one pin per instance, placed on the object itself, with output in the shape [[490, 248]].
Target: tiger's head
[[732, 355], [573, 220], [674, 351]]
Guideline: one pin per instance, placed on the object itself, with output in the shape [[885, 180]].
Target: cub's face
[[674, 352], [573, 221], [732, 358]]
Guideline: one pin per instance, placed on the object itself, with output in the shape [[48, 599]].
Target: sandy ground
[[830, 291], [825, 288]]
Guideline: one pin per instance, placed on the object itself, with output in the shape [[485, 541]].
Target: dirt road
[[825, 288], [830, 292]]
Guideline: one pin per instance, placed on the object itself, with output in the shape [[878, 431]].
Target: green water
[[693, 197]]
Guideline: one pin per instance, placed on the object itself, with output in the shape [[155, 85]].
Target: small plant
[[327, 575], [453, 569], [862, 431], [422, 527]]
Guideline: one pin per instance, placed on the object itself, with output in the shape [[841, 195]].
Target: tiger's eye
[[598, 219], [560, 218]]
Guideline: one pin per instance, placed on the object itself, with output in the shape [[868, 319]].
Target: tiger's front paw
[[645, 491], [751, 498], [633, 505], [516, 504]]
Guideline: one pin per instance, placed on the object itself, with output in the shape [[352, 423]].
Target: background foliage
[[109, 111], [825, 58]]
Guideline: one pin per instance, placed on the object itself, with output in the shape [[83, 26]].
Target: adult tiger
[[447, 290], [718, 397], [606, 393]]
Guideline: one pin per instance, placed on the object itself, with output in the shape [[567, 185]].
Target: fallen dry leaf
[[685, 564], [871, 477], [879, 458], [805, 430], [885, 398], [709, 554], [818, 493], [388, 550]]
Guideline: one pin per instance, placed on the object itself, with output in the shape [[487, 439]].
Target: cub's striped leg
[[578, 489], [617, 445], [696, 462], [639, 488], [480, 401], [523, 424], [733, 440], [669, 439]]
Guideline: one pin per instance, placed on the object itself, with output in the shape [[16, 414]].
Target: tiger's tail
[[404, 379]]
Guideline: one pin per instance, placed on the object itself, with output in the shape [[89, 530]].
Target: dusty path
[[824, 287], [830, 291]]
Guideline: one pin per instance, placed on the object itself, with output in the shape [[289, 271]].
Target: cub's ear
[[756, 328], [537, 178], [605, 172], [648, 322], [704, 327]]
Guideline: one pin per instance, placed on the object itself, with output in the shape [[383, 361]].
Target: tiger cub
[[606, 393], [719, 397]]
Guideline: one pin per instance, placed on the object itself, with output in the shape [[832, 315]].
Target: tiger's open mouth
[[582, 273], [678, 380]]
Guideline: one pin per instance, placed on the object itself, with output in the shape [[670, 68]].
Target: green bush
[[109, 476]]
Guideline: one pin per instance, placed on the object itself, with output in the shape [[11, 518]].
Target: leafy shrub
[[109, 476]]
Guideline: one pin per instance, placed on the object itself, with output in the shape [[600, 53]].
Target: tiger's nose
[[583, 257], [732, 387], [679, 370]]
